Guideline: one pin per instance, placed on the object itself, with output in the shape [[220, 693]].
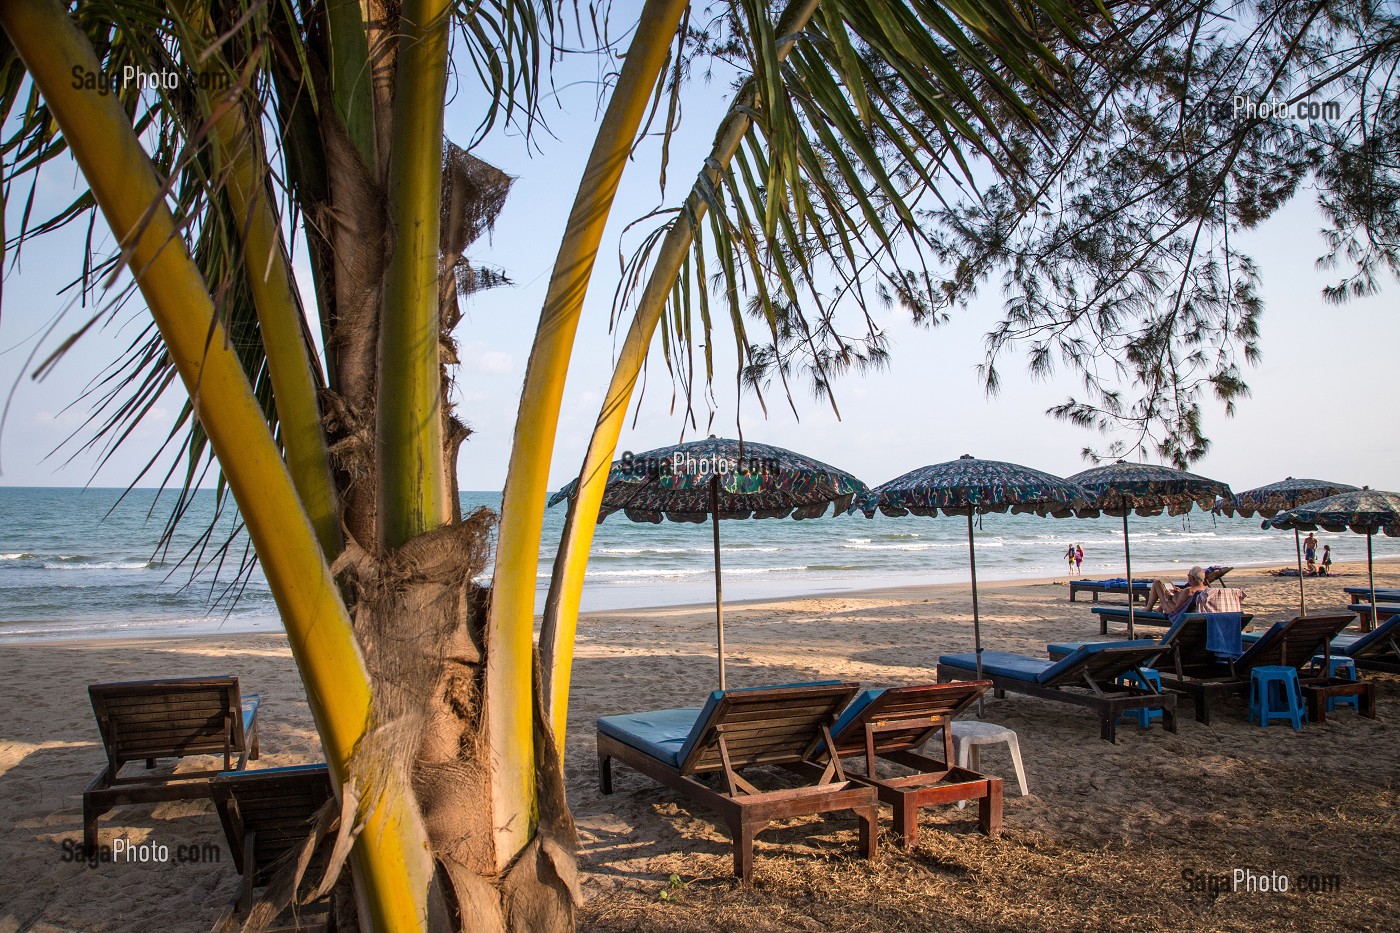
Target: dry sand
[[1101, 842]]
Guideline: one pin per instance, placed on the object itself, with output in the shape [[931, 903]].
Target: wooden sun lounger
[[267, 818], [1187, 659], [894, 724], [1371, 616], [1377, 650], [736, 730], [1108, 614], [1141, 587], [1095, 587], [177, 718], [1362, 594], [1093, 667], [1286, 644]]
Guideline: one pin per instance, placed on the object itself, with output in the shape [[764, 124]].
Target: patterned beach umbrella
[[1146, 489], [1363, 511], [1288, 493], [720, 478], [966, 486]]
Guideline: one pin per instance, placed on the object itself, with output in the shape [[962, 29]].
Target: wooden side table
[[1317, 692]]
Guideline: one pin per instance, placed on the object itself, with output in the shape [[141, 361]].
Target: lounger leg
[[906, 819], [605, 774], [91, 811], [254, 750], [1202, 709], [1169, 719], [1108, 729], [869, 828], [989, 809], [744, 835], [1368, 703], [150, 763]]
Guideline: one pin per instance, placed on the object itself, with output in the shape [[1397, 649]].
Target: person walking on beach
[[1310, 552], [1326, 566], [1079, 560], [1069, 556]]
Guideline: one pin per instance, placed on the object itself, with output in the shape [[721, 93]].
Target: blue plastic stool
[[1346, 668], [1147, 715], [1275, 693]]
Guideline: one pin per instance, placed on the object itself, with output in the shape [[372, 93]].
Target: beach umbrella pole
[[1371, 576], [1128, 562], [719, 582], [976, 618], [1302, 600]]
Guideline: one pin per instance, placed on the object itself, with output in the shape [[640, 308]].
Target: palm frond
[[861, 117]]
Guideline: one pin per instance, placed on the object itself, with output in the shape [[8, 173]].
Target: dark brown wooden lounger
[[178, 718], [1109, 614], [267, 817], [1187, 659], [1140, 589], [1094, 667], [1288, 644], [894, 724], [1371, 616], [736, 730]]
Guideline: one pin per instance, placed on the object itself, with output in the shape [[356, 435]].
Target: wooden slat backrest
[[780, 725], [275, 806], [168, 718], [923, 708], [1106, 665], [1298, 641]]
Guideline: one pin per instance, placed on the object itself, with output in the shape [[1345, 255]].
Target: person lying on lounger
[[1169, 599]]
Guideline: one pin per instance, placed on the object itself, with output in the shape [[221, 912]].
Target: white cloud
[[477, 358]]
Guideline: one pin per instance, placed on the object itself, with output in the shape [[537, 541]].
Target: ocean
[[83, 563]]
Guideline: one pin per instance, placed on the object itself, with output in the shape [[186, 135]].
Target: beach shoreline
[[272, 626]]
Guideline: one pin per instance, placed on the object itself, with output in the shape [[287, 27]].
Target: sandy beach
[[1105, 838]]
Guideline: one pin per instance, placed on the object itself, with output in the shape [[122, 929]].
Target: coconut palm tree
[[331, 427]]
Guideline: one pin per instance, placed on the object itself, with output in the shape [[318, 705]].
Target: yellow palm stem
[[571, 563], [279, 311], [412, 479], [510, 630], [395, 863]]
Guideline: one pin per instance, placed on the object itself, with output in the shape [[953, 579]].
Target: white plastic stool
[[969, 735]]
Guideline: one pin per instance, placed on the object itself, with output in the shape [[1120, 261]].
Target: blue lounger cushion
[[286, 769], [250, 703], [1166, 639], [852, 712], [668, 735], [1358, 644], [1383, 594], [1032, 670], [659, 733]]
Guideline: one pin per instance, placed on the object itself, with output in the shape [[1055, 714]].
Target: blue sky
[[1320, 404]]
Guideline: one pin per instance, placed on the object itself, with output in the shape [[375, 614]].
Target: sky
[[1320, 404]]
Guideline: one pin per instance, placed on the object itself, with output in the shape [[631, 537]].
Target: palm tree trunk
[[571, 562], [510, 655], [391, 854]]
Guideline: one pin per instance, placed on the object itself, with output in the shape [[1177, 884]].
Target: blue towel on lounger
[[1223, 634]]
